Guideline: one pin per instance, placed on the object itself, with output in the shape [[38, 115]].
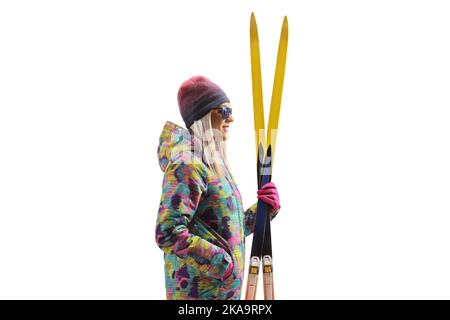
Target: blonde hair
[[211, 145]]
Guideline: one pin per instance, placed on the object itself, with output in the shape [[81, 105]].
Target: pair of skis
[[265, 150]]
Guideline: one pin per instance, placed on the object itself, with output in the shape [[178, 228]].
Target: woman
[[201, 225]]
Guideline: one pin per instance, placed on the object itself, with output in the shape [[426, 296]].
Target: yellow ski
[[262, 242], [258, 107], [277, 90]]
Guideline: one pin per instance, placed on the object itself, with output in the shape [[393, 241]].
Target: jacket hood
[[175, 142]]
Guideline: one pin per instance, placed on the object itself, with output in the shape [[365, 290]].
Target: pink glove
[[269, 194]]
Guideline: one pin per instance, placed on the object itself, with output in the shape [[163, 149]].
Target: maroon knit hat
[[197, 96]]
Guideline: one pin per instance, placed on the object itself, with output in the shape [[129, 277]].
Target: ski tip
[[253, 27], [285, 22]]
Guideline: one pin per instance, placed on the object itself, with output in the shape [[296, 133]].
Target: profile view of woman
[[201, 224]]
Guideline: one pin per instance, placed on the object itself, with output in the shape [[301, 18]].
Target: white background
[[362, 157]]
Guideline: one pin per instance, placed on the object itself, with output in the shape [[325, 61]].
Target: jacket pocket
[[201, 229]]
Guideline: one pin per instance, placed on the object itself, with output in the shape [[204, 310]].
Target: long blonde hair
[[211, 145]]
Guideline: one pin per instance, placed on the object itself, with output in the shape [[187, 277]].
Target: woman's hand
[[269, 194]]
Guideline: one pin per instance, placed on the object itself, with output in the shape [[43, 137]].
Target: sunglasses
[[226, 112]]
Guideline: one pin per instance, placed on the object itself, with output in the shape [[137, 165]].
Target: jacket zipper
[[234, 194]]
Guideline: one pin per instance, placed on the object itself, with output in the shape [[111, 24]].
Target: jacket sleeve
[[182, 190], [250, 218]]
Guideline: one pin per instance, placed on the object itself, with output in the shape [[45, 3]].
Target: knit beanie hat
[[197, 96]]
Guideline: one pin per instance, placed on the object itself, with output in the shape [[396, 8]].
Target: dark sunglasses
[[226, 112]]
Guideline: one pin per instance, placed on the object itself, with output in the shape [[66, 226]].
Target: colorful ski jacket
[[201, 224]]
